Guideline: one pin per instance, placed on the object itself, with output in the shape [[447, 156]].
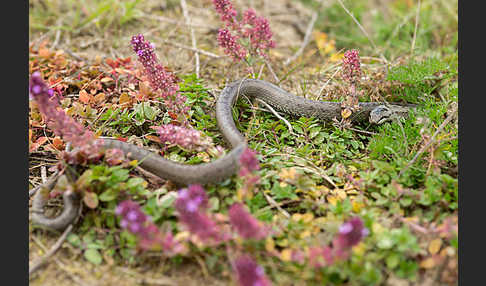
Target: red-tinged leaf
[[153, 138], [84, 97], [39, 142], [123, 139], [112, 63], [90, 199], [44, 52], [58, 143], [173, 115]]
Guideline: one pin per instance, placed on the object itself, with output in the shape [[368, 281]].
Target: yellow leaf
[[287, 174], [332, 200], [269, 244], [427, 263], [336, 57], [286, 254], [434, 245], [341, 194], [345, 113], [307, 217], [359, 249], [357, 206], [296, 217], [324, 44], [305, 234], [124, 98]]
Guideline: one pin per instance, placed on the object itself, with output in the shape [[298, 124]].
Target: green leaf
[[74, 239], [108, 195], [93, 256]]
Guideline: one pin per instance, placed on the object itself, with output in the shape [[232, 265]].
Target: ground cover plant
[[313, 204]]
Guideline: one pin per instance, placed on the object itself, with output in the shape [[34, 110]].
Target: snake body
[[226, 166]]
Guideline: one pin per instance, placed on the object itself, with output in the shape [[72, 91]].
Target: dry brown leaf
[[84, 97]]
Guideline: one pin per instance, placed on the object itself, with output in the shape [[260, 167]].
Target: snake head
[[380, 114]]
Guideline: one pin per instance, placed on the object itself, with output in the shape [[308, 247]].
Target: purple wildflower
[[158, 75], [60, 123], [351, 233], [137, 222], [182, 136], [351, 69], [230, 45], [249, 273], [245, 224], [191, 204]]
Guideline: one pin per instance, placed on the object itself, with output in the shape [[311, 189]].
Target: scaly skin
[[226, 166]]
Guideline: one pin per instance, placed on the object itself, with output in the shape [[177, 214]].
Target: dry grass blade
[[203, 52], [193, 36], [289, 126], [306, 40], [363, 30], [417, 17], [43, 260]]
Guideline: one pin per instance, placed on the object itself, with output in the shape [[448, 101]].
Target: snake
[[226, 166]]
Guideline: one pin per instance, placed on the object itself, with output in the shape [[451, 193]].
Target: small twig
[[56, 40], [362, 30], [432, 139], [306, 40], [143, 280], [361, 131], [44, 174], [193, 37], [277, 115], [40, 262], [272, 202], [327, 82], [417, 17], [52, 178], [269, 66], [203, 52]]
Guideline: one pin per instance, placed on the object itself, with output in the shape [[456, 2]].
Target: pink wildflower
[[249, 273], [226, 11], [230, 45], [248, 162], [186, 138], [245, 224], [351, 69], [114, 156], [321, 256], [191, 204], [259, 32]]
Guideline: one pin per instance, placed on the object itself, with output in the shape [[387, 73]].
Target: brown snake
[[225, 167]]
